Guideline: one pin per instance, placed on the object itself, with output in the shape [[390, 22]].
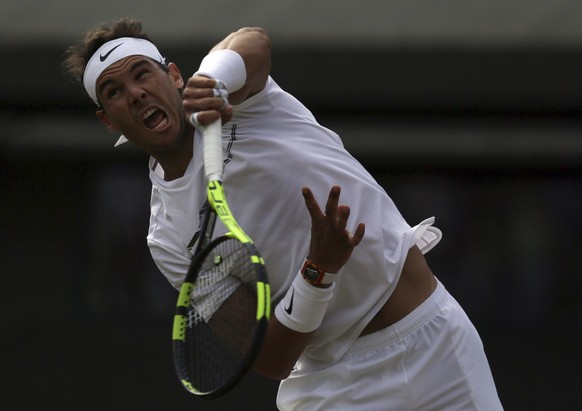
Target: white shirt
[[273, 147]]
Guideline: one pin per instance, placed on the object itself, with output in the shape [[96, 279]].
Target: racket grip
[[212, 141]]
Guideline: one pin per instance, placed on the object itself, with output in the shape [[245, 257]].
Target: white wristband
[[226, 66], [303, 307]]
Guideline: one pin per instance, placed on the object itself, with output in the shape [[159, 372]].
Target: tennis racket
[[224, 303]]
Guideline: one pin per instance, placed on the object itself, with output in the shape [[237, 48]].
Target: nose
[[136, 93]]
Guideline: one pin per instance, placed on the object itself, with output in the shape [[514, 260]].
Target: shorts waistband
[[409, 324]]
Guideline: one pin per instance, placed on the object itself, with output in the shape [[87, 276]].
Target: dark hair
[[77, 56]]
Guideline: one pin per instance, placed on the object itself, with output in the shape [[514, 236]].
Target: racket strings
[[221, 321]]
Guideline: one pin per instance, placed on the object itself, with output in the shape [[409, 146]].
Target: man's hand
[[331, 244], [207, 99]]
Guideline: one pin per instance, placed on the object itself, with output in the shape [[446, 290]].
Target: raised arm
[[242, 61], [331, 246], [254, 46]]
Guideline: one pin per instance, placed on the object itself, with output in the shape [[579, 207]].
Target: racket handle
[[212, 141]]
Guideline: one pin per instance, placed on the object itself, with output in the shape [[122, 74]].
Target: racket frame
[[218, 206]]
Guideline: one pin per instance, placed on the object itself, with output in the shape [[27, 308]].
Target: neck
[[176, 162]]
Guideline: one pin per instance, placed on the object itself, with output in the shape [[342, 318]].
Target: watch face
[[311, 273]]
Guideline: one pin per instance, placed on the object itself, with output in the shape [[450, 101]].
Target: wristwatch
[[314, 274]]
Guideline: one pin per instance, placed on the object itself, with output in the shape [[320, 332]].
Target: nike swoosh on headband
[[104, 57]]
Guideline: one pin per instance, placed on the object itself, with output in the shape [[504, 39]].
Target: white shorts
[[433, 359]]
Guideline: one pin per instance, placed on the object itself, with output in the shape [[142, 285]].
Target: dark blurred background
[[468, 111]]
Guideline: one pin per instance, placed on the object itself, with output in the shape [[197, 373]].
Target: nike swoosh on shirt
[[104, 57], [289, 309]]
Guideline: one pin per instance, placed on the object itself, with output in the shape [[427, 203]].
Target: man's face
[[143, 102]]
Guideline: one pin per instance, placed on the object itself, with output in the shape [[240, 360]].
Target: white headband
[[112, 52]]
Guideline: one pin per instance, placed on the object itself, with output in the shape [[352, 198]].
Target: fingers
[[194, 120], [358, 234], [205, 100], [200, 119], [335, 216], [331, 206], [200, 86], [341, 225], [333, 212], [311, 204], [331, 244]]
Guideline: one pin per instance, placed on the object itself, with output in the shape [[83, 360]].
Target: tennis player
[[360, 321]]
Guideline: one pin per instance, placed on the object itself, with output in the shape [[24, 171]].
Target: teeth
[[149, 113], [162, 124]]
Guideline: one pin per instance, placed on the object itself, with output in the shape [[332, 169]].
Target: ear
[[175, 75], [104, 118]]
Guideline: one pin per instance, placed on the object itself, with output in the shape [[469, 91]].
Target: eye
[[141, 74], [113, 91]]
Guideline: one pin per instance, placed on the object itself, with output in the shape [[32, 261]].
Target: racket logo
[[289, 309], [216, 198]]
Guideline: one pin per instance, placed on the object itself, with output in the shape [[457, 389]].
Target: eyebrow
[[133, 67]]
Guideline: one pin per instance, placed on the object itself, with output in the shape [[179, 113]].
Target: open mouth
[[155, 119]]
